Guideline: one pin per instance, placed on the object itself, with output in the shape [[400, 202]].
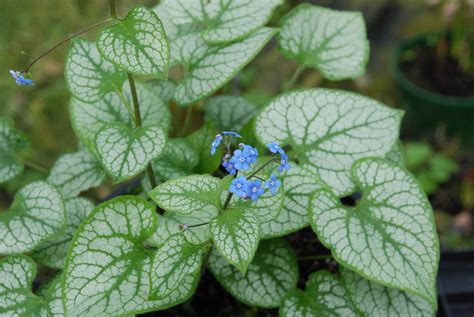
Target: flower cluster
[[20, 78], [242, 159]]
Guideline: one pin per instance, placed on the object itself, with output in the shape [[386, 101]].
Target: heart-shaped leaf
[[53, 251], [89, 77], [137, 44], [125, 152], [272, 273], [325, 295], [224, 20], [334, 42], [236, 234], [208, 72], [87, 119], [229, 113], [11, 142], [175, 262], [187, 194], [107, 271], [37, 213], [76, 172], [373, 299], [329, 130], [17, 273], [390, 236]]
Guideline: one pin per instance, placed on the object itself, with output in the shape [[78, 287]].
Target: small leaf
[[187, 194], [229, 113], [175, 262], [389, 237], [17, 273], [178, 160], [201, 141], [376, 300], [125, 152], [224, 21], [329, 130], [36, 214], [87, 119], [107, 269], [89, 77], [76, 172], [236, 234], [325, 295], [208, 72], [334, 42], [53, 251], [137, 44], [171, 223], [272, 273], [11, 142]]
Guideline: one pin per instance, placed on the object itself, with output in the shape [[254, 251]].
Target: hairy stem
[[63, 42], [294, 78], [138, 124], [35, 166]]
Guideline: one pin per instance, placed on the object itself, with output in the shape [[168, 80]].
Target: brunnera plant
[[212, 199]]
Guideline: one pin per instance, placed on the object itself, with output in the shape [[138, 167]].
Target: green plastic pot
[[426, 109]]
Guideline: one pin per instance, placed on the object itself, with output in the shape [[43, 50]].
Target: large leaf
[[201, 141], [325, 295], [37, 213], [89, 77], [87, 119], [223, 20], [53, 251], [137, 44], [125, 152], [334, 42], [272, 273], [11, 142], [176, 261], [229, 113], [187, 194], [236, 234], [16, 297], [107, 271], [76, 172], [329, 130], [390, 236], [376, 300], [213, 67]]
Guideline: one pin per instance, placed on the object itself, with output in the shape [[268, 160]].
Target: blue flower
[[275, 148], [273, 184], [251, 152], [254, 189], [284, 165], [231, 133], [20, 78], [239, 186], [242, 160], [215, 144], [229, 167]]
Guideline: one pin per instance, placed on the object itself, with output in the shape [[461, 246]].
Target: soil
[[443, 75]]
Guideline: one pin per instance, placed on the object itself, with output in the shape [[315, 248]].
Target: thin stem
[[138, 124], [35, 166], [184, 128], [194, 226], [294, 78], [126, 104], [314, 257], [261, 168], [113, 9], [65, 41], [229, 195]]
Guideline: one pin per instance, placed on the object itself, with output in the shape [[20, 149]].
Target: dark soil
[[433, 68]]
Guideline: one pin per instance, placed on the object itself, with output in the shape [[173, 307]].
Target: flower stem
[[315, 257], [65, 41], [294, 78], [229, 195], [138, 124], [35, 166], [261, 168]]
